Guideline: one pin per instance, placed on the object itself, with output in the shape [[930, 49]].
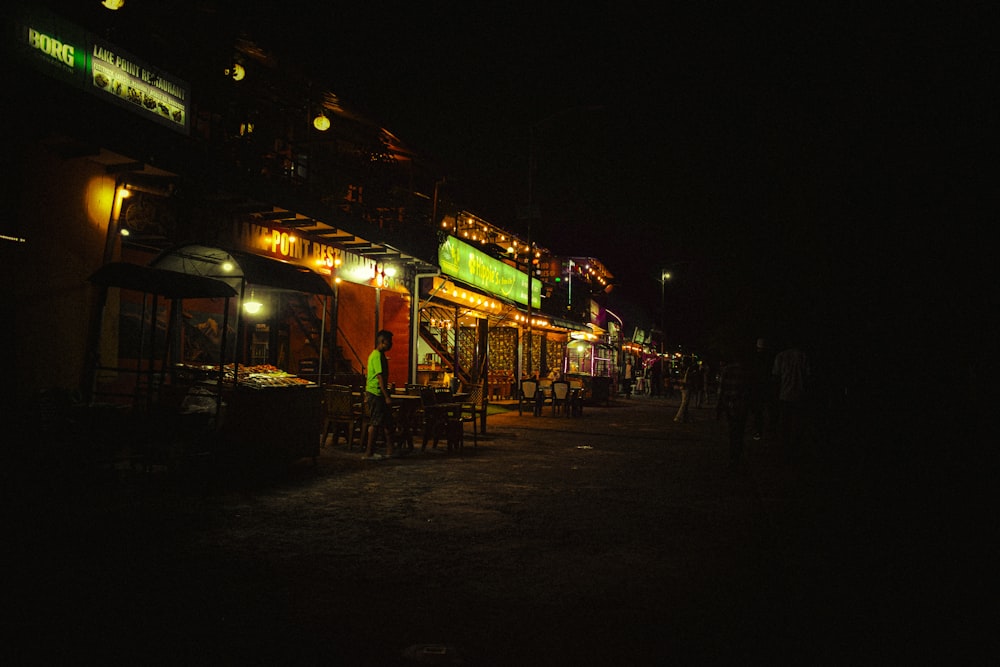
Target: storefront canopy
[[234, 267], [163, 282]]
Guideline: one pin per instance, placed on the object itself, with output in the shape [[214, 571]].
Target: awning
[[565, 324], [233, 266], [163, 282]]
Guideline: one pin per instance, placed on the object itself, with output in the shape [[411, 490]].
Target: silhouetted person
[[791, 368], [763, 392], [656, 377], [735, 384], [689, 384]]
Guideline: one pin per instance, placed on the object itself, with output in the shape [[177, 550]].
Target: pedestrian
[[791, 369], [697, 384], [763, 392], [705, 377], [627, 378], [719, 412], [735, 383], [688, 383], [656, 377], [378, 396]]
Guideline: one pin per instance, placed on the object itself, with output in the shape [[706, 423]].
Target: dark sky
[[789, 164]]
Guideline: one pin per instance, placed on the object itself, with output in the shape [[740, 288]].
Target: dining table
[[409, 407]]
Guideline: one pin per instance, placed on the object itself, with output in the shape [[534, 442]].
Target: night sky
[[785, 165], [805, 167]]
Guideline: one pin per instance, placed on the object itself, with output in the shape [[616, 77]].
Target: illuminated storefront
[[475, 321]]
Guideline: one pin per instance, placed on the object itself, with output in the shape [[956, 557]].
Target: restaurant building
[[124, 160], [480, 306], [210, 160]]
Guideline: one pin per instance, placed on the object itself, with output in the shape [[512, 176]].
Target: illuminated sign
[[79, 58], [321, 257], [464, 262]]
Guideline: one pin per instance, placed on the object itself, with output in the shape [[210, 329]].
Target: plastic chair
[[576, 398], [560, 397], [528, 396]]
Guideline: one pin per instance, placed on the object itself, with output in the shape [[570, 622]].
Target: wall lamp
[[252, 306], [113, 5], [236, 72], [321, 122]]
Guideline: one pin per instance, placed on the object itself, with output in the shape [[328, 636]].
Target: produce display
[[261, 376]]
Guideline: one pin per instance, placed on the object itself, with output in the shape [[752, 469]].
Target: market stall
[[129, 409], [270, 413]]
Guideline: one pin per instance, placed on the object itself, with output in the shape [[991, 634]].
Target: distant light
[[113, 5]]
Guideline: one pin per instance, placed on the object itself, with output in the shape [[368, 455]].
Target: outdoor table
[[408, 407]]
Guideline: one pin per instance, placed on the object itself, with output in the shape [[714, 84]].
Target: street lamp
[[664, 277], [569, 299]]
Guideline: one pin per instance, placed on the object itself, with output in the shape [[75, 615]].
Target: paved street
[[617, 538]]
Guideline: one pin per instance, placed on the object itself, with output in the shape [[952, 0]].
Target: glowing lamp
[[252, 306], [321, 122]]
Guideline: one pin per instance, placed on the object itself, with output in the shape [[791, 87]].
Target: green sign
[[464, 262], [64, 51]]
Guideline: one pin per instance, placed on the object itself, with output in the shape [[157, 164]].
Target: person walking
[[656, 377], [735, 384], [688, 382], [705, 372], [763, 395], [791, 368], [378, 396], [627, 378], [697, 384]]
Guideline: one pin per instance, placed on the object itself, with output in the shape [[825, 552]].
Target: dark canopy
[[233, 266], [171, 284]]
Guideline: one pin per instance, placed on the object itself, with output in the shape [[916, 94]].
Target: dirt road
[[617, 538]]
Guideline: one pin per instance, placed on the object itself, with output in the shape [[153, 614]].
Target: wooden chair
[[432, 416], [528, 396], [340, 414], [471, 411], [560, 397]]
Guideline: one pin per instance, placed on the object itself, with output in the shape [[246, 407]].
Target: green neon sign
[[464, 262]]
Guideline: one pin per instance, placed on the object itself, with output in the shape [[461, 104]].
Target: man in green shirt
[[378, 396]]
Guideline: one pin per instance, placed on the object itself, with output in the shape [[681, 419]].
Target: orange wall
[[356, 320]]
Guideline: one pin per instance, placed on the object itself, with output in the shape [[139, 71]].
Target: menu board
[[65, 51], [118, 74]]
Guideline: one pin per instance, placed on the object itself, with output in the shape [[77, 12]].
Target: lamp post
[[618, 346], [569, 299], [664, 277]]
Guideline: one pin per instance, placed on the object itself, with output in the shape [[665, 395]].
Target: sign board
[[81, 59], [327, 260], [474, 267]]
